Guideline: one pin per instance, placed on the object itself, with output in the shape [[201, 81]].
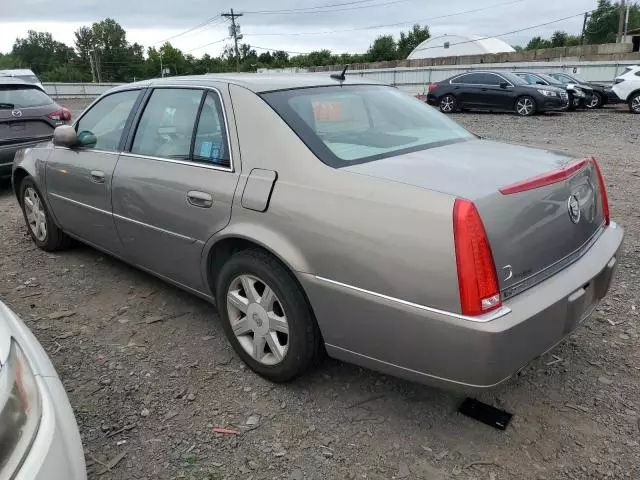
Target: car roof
[[256, 82]]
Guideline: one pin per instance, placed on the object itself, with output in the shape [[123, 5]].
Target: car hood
[[469, 169]]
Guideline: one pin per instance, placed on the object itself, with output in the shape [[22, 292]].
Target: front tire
[[595, 101], [266, 316], [634, 103], [525, 106], [44, 232], [448, 104]]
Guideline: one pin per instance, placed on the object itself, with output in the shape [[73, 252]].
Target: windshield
[[23, 96], [356, 124], [549, 79]]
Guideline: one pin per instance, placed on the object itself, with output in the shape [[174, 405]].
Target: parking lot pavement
[[150, 374]]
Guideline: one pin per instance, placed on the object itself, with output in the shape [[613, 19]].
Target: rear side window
[[107, 118], [167, 124], [23, 97], [355, 124], [210, 143]]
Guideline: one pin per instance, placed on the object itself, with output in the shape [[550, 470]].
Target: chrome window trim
[[87, 150], [231, 167], [479, 84], [182, 162], [500, 312]]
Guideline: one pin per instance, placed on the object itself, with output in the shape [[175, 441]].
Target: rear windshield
[[355, 124], [28, 78], [23, 97]]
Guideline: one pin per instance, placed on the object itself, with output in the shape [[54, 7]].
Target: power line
[[207, 44], [302, 11], [326, 32], [462, 42], [286, 10], [189, 30]]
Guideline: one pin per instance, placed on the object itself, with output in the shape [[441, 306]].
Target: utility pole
[[93, 70], [626, 22], [584, 27], [234, 31], [96, 63], [620, 22]]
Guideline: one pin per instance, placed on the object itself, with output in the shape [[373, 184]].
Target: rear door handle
[[97, 176], [200, 199]]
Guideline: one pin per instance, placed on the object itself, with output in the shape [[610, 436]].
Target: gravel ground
[[150, 374]]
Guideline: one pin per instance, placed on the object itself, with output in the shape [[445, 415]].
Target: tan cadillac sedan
[[323, 213]]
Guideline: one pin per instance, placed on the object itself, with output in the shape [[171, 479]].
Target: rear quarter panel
[[374, 234]]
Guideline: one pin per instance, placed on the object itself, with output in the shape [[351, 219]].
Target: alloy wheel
[[35, 213], [258, 319], [524, 106], [594, 101], [635, 104], [447, 104]]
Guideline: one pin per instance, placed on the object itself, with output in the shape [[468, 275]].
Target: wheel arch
[[635, 92], [19, 174], [219, 249]]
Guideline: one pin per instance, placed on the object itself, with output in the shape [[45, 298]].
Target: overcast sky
[[148, 21]]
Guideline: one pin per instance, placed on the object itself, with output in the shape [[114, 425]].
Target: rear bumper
[[442, 349]]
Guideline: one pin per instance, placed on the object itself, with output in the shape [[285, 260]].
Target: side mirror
[[504, 84], [65, 136], [87, 139]]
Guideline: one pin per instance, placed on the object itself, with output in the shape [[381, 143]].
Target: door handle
[[97, 176], [485, 89], [199, 199]]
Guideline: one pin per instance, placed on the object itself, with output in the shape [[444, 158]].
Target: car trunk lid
[[533, 232]]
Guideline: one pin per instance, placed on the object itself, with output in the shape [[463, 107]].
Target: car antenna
[[340, 76]]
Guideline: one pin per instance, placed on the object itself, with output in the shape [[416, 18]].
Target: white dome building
[[457, 45]]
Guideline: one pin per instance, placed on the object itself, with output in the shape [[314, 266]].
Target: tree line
[[101, 52]]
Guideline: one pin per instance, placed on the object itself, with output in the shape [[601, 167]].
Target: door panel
[[82, 205], [79, 180], [176, 187], [160, 227]]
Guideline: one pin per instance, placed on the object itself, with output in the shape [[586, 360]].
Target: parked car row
[[27, 116], [528, 93]]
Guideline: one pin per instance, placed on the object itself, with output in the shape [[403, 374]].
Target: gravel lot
[[150, 374]]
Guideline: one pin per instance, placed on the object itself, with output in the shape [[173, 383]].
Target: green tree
[[602, 26], [410, 40], [7, 61], [383, 48], [559, 38], [40, 52], [536, 43]]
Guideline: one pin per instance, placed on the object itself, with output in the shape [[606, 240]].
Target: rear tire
[[44, 232], [525, 106], [274, 333], [448, 104], [634, 103]]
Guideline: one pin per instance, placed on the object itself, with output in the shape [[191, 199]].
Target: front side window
[[211, 144], [103, 125], [167, 123], [15, 96], [356, 124], [490, 79]]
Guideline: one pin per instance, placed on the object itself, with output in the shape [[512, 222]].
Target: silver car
[[321, 213], [39, 438]]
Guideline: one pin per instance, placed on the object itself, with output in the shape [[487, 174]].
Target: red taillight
[[432, 87], [545, 179], [477, 279], [64, 114], [603, 193]]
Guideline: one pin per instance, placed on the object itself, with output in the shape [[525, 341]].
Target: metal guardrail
[[77, 90]]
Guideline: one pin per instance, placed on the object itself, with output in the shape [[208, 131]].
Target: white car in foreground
[[39, 437], [627, 87]]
